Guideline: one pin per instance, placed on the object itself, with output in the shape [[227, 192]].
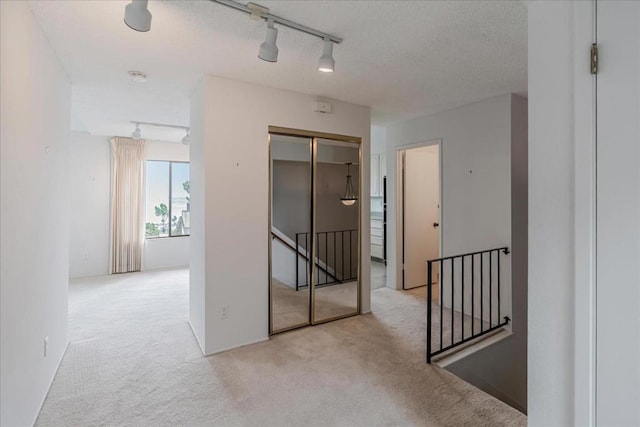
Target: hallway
[[132, 359]]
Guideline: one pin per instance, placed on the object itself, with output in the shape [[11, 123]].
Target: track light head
[[326, 63], [187, 138], [137, 15], [268, 49], [137, 134]]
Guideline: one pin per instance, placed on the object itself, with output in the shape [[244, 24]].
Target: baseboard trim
[[193, 331], [205, 354], [239, 346], [472, 347], [53, 377]]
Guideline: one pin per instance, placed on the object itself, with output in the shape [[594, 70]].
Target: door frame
[[313, 136], [400, 188]]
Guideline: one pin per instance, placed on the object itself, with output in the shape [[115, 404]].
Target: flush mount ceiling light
[[268, 49], [326, 63], [137, 15], [349, 197], [137, 134]]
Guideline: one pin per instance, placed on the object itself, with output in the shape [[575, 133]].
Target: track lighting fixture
[[137, 15], [137, 134], [326, 63], [268, 49]]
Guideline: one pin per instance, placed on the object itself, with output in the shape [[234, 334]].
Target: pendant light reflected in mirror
[[349, 197]]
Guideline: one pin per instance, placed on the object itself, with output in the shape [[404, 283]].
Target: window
[[167, 199]]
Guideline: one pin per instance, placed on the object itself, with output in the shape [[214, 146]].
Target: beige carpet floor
[[132, 361]]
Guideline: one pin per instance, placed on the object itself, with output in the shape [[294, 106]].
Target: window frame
[[171, 162]]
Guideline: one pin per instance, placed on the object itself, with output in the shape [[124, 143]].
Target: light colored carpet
[[132, 361]]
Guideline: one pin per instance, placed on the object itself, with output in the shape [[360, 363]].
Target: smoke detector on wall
[[138, 76]]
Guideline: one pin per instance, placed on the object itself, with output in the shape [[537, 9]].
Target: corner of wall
[[197, 265]]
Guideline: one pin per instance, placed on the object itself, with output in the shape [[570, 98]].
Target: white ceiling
[[403, 59]]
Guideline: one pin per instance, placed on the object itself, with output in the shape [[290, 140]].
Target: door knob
[[436, 225]]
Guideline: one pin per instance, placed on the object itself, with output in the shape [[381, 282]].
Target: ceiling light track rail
[[279, 20], [162, 125]]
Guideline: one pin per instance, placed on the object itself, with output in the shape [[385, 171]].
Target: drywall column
[[35, 105], [230, 202], [557, 68]]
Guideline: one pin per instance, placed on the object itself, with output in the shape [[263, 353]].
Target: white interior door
[[618, 215], [421, 213]]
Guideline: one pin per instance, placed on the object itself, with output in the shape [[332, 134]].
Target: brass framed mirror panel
[[314, 244]]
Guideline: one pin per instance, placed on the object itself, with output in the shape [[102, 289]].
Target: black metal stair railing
[[335, 252], [481, 285]]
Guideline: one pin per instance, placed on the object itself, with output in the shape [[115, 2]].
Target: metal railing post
[[462, 301], [483, 331], [429, 295], [453, 301], [297, 262]]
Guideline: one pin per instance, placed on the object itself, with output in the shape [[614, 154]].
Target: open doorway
[[420, 194]]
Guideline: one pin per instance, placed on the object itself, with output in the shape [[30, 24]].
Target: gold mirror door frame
[[314, 298]]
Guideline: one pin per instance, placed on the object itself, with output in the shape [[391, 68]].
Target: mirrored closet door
[[335, 293], [314, 228], [291, 171]]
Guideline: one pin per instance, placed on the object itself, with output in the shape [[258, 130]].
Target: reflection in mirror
[[290, 226], [337, 224]]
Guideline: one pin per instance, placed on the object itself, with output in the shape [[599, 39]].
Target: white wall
[[480, 170], [501, 369], [476, 175], [229, 122], [378, 146], [89, 193], [89, 189], [35, 107], [378, 139]]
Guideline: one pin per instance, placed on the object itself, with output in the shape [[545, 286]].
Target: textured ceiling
[[401, 58]]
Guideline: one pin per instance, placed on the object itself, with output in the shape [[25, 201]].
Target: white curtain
[[127, 204]]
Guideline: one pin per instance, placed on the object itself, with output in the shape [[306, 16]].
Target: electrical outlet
[[225, 312], [46, 345]]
